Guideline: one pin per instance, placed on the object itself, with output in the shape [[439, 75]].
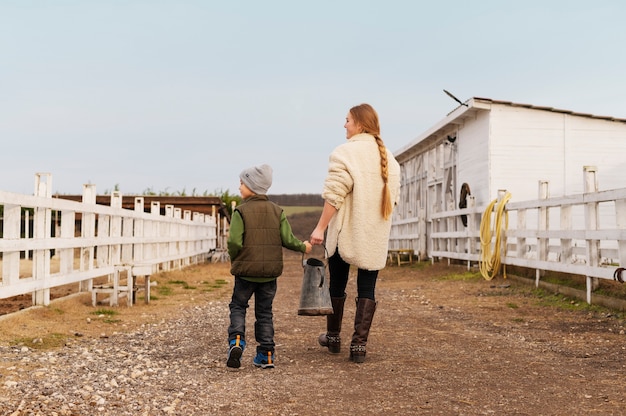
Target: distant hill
[[297, 200]]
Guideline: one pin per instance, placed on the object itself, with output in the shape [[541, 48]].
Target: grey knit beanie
[[258, 179]]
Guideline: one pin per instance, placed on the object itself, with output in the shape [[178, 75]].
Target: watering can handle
[[325, 251], [322, 273]]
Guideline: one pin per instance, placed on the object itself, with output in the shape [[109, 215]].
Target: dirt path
[[442, 342]]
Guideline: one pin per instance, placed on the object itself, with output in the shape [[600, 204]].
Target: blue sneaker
[[264, 359], [235, 350]]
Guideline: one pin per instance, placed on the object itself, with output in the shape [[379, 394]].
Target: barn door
[[442, 162]]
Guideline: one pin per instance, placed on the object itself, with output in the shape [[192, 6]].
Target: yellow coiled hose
[[490, 262]]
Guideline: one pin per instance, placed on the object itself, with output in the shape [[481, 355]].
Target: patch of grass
[[560, 301], [182, 283], [611, 292], [418, 265], [211, 286], [164, 290], [107, 315], [606, 287], [466, 276], [545, 298], [52, 340], [105, 312], [563, 281], [58, 311]]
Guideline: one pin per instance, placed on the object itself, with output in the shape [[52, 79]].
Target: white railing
[[90, 241], [582, 234]]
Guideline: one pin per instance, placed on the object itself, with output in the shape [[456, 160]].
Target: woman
[[359, 193]]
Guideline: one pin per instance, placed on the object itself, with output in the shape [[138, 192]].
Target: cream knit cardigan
[[354, 186]]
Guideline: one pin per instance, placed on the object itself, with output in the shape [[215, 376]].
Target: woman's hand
[[317, 236]]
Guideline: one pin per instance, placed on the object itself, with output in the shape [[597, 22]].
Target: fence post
[[543, 223], [451, 224], [591, 223], [116, 229], [87, 231], [42, 223], [138, 231], [521, 246], [471, 230], [186, 233], [127, 233], [620, 216], [11, 231], [26, 231], [153, 230], [103, 252], [567, 246], [68, 230]]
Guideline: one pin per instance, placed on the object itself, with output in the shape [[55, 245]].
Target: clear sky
[[180, 95]]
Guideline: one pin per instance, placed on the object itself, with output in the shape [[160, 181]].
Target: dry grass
[[74, 316]]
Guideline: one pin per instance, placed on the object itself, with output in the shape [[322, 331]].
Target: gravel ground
[[446, 347]]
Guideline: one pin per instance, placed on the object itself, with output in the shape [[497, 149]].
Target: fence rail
[[88, 241], [582, 234]]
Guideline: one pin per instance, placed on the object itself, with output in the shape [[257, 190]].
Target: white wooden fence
[[91, 240], [583, 234]]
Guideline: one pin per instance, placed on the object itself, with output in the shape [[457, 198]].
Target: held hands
[[309, 247]]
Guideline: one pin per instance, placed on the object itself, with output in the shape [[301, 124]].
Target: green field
[[299, 210]]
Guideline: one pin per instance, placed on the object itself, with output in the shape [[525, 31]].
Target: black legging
[[339, 272]]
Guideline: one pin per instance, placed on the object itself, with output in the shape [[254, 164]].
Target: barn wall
[[472, 161], [526, 146], [592, 142], [531, 145]]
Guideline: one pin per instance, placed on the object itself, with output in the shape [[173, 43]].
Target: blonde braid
[[386, 207]]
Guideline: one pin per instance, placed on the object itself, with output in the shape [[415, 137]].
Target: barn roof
[[468, 110]]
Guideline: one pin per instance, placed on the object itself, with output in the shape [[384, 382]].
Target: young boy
[[258, 232]]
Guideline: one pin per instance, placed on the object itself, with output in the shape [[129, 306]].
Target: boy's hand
[[309, 247]]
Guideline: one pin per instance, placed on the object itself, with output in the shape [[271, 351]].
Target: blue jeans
[[264, 324], [339, 271]]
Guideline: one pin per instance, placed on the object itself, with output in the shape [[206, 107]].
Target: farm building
[[208, 205], [492, 145]]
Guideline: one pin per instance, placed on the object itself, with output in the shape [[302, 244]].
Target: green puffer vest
[[262, 251]]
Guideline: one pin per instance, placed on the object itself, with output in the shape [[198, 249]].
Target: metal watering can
[[315, 294]]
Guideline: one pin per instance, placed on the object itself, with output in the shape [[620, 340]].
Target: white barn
[[494, 145]]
